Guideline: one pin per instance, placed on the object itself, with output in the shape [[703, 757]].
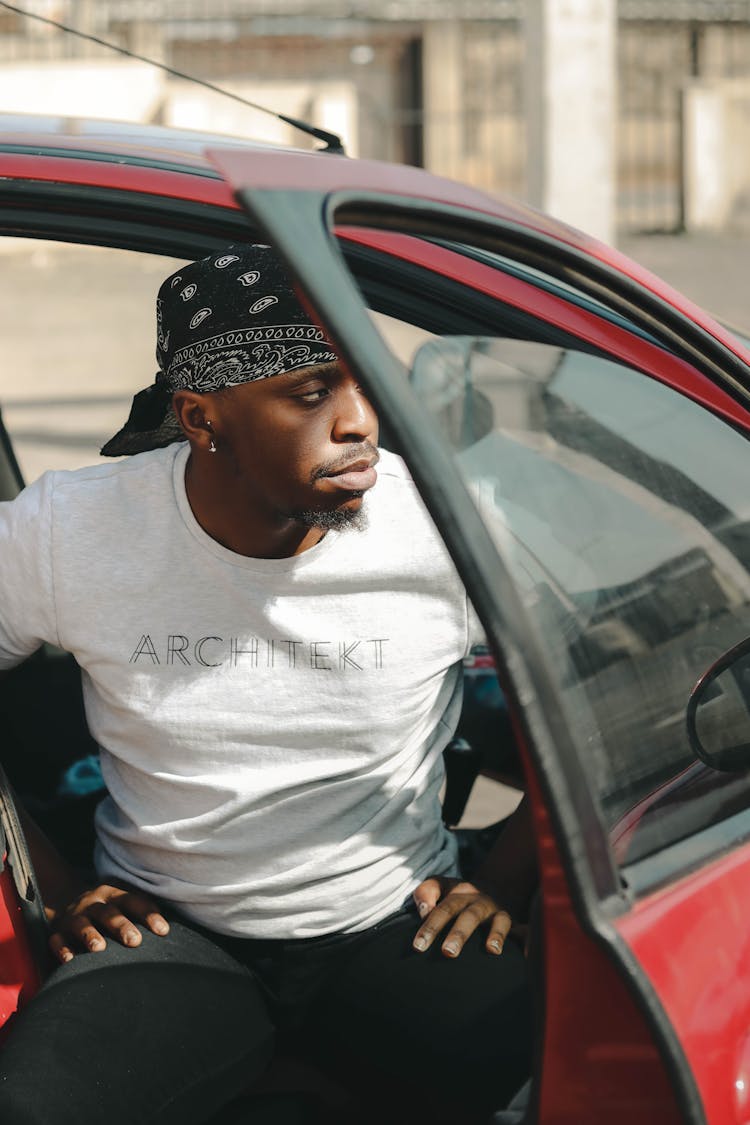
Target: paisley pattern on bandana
[[202, 324], [222, 368]]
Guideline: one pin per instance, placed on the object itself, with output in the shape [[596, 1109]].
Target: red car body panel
[[600, 1062], [122, 177], [19, 976], [692, 939]]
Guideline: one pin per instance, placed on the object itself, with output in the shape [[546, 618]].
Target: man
[[270, 634]]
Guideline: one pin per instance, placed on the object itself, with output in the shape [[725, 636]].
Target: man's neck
[[241, 528]]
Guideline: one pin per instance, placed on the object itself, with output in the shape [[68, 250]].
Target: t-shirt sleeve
[[27, 602]]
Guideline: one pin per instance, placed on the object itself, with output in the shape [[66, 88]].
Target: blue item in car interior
[[483, 689], [83, 777]]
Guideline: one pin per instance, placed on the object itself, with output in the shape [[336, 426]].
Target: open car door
[[644, 948], [23, 929]]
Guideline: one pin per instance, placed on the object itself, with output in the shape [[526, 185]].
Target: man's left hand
[[441, 900]]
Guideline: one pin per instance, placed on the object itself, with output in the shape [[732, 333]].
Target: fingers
[[110, 918], [467, 908], [105, 911], [427, 895], [60, 949], [499, 930], [156, 922], [146, 911], [465, 903], [75, 932]]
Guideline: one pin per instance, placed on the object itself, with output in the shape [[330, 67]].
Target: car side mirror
[[718, 712]]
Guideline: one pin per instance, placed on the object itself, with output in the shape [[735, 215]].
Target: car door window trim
[[673, 328]]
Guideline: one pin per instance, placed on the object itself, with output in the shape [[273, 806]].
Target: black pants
[[172, 1031]]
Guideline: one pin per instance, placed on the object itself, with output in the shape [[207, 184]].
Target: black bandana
[[230, 318]]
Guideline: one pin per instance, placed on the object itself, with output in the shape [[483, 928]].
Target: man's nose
[[355, 418]]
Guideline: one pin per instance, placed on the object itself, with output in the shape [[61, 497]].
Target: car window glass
[[623, 510], [402, 337], [78, 342]]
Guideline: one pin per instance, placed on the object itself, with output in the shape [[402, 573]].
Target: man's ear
[[194, 415]]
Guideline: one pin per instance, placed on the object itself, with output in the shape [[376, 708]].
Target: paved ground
[[76, 319]]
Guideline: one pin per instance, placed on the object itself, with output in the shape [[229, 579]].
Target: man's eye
[[314, 396]]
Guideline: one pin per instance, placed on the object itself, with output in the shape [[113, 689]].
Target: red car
[[579, 433]]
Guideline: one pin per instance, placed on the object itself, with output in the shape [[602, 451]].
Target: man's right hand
[[81, 926]]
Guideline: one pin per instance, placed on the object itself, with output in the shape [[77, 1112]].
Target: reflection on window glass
[[402, 338], [623, 509]]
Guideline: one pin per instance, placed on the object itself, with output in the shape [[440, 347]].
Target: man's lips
[[357, 476]]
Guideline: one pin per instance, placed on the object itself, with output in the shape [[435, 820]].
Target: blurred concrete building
[[409, 80]]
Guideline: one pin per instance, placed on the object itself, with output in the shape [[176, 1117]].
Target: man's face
[[299, 446]]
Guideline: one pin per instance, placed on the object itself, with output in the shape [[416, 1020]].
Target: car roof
[[42, 126], [117, 138], [156, 145]]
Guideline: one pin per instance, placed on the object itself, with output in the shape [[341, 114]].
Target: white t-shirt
[[271, 730]]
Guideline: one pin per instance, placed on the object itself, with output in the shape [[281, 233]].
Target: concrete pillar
[[705, 177], [716, 140], [147, 37], [443, 84], [570, 99], [84, 14]]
